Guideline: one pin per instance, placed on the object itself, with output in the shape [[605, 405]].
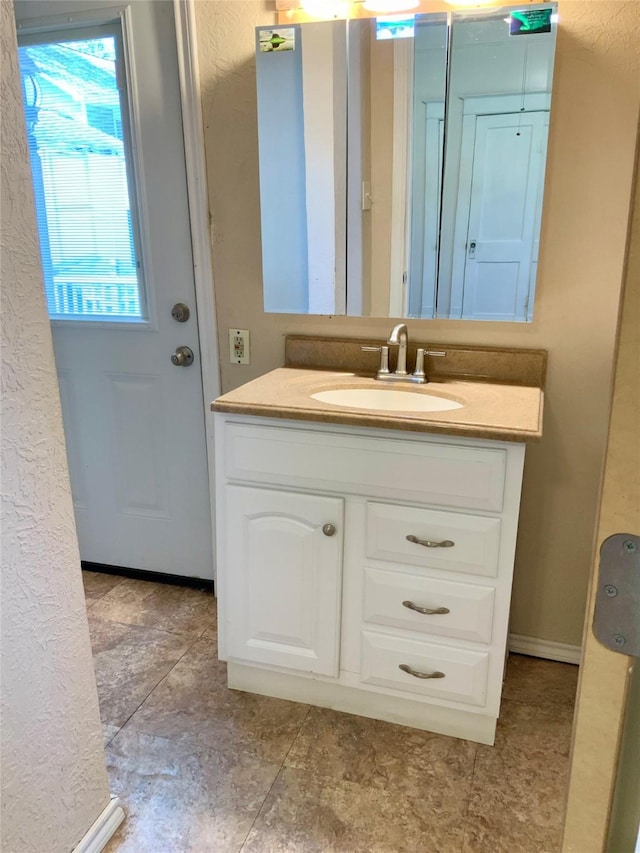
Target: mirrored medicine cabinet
[[402, 163]]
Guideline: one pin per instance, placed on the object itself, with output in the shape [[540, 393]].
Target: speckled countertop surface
[[490, 410]]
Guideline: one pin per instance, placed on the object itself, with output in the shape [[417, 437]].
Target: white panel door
[[134, 422], [508, 171], [284, 578]]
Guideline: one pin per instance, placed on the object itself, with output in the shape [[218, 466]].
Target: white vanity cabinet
[[367, 570]]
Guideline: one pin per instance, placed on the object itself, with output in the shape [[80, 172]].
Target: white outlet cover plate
[[239, 354]]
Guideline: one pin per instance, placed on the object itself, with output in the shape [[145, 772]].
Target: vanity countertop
[[493, 410]]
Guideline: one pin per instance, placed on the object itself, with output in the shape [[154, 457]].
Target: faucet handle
[[383, 370], [418, 373]]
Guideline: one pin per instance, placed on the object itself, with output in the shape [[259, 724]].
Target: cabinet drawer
[[476, 538], [465, 672], [420, 471], [470, 606]]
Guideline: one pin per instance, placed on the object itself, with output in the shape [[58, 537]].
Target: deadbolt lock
[[180, 312]]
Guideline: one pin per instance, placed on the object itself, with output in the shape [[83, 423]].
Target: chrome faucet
[[399, 337]]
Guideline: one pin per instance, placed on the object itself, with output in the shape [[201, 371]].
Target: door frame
[[198, 200], [605, 675]]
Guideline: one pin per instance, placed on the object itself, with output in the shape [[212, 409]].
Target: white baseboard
[[96, 837], [548, 649]]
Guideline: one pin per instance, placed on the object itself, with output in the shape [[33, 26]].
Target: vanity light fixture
[[390, 7], [326, 8], [471, 3]]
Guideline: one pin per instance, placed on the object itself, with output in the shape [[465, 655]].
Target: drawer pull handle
[[426, 610], [417, 674], [428, 543]]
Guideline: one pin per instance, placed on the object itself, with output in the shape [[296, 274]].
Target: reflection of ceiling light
[[326, 8], [470, 2], [386, 7]]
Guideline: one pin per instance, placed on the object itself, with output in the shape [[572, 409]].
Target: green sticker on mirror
[[271, 41], [530, 22]]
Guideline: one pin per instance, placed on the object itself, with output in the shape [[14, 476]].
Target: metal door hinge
[[616, 621]]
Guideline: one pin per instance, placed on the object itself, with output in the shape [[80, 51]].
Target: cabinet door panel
[[284, 577]]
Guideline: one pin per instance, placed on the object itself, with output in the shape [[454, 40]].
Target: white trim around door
[[193, 130]]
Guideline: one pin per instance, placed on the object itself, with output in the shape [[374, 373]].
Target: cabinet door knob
[[328, 529], [428, 543], [426, 610], [417, 674]]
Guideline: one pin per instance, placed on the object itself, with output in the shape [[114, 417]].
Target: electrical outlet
[[239, 346]]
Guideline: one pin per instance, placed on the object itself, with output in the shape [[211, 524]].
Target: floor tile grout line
[[262, 804], [91, 601], [259, 810], [100, 597], [200, 636], [153, 689], [466, 816], [297, 735], [188, 635], [471, 782], [275, 778]]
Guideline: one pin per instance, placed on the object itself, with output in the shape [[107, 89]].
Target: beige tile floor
[[203, 769]]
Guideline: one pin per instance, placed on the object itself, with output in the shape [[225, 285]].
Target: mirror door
[[402, 163]]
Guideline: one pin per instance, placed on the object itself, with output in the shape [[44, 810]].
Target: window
[[77, 127]]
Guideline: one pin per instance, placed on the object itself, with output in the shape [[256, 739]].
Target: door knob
[[182, 357], [328, 529]]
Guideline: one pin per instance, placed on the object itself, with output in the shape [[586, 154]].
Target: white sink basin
[[387, 399]]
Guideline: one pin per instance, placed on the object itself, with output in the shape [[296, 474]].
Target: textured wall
[[54, 782], [593, 133]]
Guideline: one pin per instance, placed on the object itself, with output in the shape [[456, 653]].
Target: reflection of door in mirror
[[497, 125], [494, 245]]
